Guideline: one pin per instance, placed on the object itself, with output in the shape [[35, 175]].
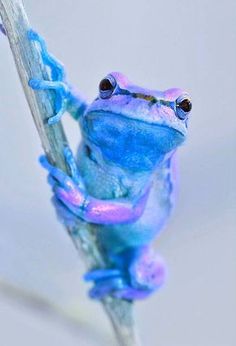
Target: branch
[[53, 139]]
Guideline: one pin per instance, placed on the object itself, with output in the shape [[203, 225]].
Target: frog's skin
[[122, 181]]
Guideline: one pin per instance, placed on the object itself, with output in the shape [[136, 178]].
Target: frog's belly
[[102, 185], [116, 238]]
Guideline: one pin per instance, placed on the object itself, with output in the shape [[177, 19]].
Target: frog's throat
[[158, 124]]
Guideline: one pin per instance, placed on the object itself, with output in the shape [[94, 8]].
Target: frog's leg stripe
[[57, 69]]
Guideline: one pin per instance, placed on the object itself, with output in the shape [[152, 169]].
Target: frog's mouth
[[122, 120], [130, 143], [165, 118]]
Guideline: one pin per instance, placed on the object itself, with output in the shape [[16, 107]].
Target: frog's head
[[133, 127]]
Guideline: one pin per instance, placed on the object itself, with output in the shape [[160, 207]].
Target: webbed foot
[[57, 75], [61, 99], [142, 276], [107, 281]]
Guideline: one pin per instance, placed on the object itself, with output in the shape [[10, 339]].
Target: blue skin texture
[[122, 180]]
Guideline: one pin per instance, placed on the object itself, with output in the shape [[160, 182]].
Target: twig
[[53, 139]]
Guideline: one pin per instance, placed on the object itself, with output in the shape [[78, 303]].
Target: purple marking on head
[[121, 79], [173, 93]]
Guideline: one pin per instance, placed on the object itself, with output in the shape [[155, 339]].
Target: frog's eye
[[107, 86], [183, 107]]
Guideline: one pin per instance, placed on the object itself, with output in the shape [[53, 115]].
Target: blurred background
[[157, 44]]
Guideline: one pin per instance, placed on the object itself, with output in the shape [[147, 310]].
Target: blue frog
[[122, 180]]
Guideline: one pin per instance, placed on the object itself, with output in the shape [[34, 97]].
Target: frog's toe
[[61, 98], [107, 287], [101, 274], [57, 174], [36, 84], [57, 117], [32, 35], [70, 160], [116, 286], [106, 281]]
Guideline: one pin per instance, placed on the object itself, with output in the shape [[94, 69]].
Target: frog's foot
[[106, 281], [57, 75], [56, 178], [144, 276], [61, 96], [69, 189]]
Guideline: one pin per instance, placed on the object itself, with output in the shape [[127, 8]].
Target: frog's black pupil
[[105, 85], [185, 105]]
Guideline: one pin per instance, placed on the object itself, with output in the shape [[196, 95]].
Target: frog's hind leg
[[146, 274], [137, 273]]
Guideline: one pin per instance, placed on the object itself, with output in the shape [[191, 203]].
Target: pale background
[[158, 44]]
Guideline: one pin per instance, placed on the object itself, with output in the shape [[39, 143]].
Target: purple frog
[[122, 180]]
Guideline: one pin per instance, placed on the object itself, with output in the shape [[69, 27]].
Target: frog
[[122, 184]]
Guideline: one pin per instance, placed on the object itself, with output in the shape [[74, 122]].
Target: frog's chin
[[131, 144]]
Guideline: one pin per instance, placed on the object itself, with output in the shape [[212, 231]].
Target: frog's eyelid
[[112, 80], [182, 97]]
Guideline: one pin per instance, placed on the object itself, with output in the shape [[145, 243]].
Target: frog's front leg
[[66, 98], [137, 273], [71, 192]]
